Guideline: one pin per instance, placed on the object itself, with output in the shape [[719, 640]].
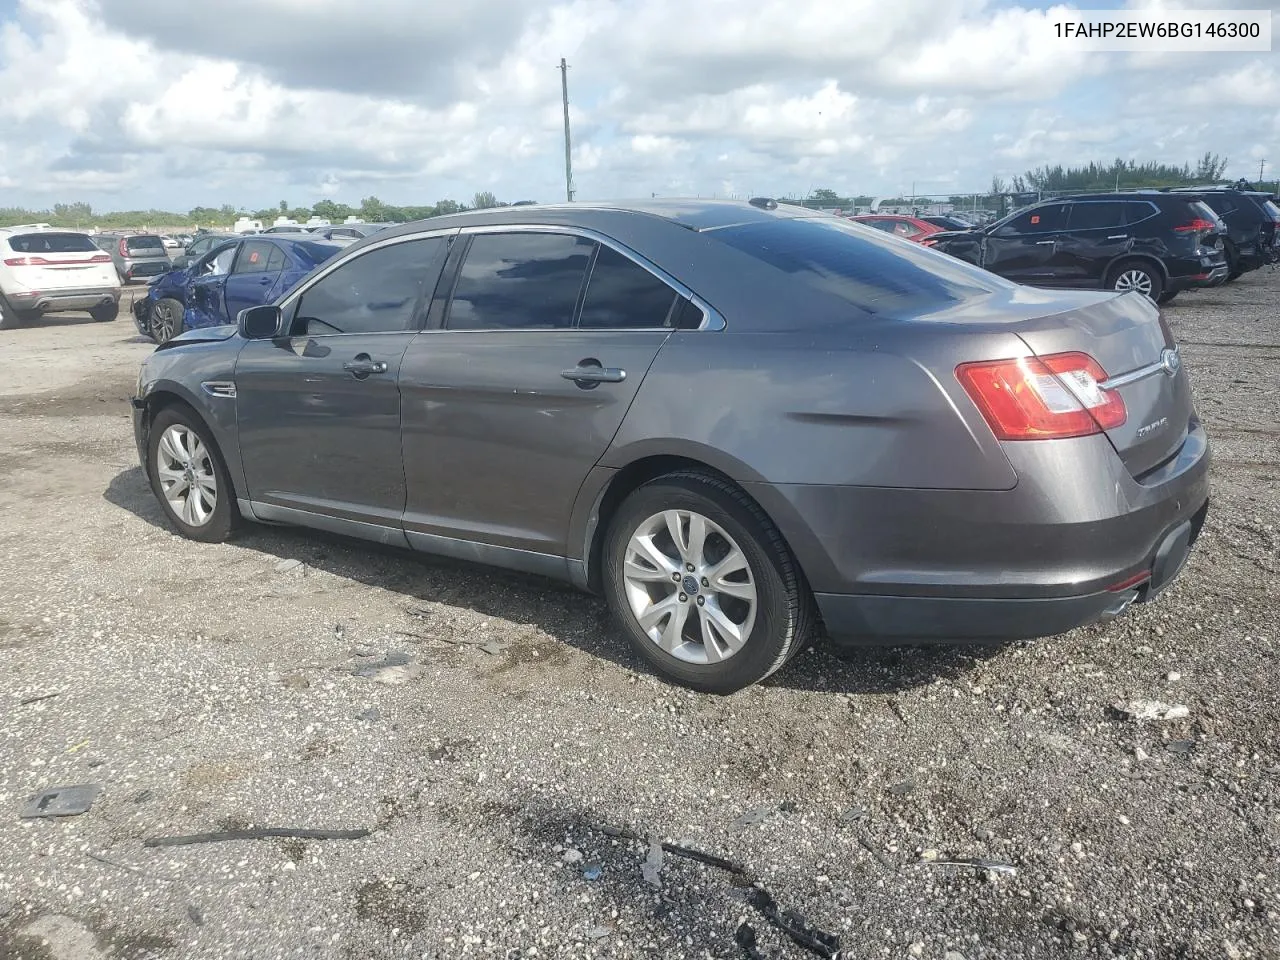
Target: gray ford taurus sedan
[[737, 421]]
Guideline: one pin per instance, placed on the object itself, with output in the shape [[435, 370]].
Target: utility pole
[[1262, 165], [568, 150]]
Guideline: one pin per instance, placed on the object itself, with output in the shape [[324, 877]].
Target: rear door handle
[[590, 372], [363, 365], [1119, 236], [1041, 243]]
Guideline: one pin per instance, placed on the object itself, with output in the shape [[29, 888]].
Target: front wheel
[[105, 312], [1137, 275], [166, 319], [189, 477], [703, 584]]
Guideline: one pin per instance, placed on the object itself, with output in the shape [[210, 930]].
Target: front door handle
[[590, 372], [265, 280], [363, 365], [1119, 236], [1041, 243]]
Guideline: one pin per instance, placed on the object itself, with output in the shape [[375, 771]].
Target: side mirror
[[259, 323], [181, 263]]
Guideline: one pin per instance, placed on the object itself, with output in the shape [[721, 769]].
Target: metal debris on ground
[[1139, 710], [257, 833], [68, 801], [869, 845], [40, 699], [852, 814], [816, 941], [675, 849], [285, 566], [1180, 746], [591, 871], [975, 863], [493, 647], [751, 817], [393, 669], [651, 869]]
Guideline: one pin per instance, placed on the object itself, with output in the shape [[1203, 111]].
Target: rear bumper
[[77, 298], [1074, 541]]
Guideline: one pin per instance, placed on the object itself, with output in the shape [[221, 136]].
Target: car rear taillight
[[1197, 225], [927, 242], [1043, 398], [124, 247], [100, 258], [16, 262]]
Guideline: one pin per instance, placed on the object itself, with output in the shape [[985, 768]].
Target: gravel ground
[[248, 684]]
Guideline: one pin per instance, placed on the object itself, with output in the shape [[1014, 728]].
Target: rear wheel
[[1138, 275], [189, 477], [105, 312], [9, 318], [703, 584], [166, 319]]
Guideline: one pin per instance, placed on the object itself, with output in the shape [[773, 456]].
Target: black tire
[[166, 319], [1166, 297], [105, 312], [1235, 269], [784, 617], [1144, 267], [10, 319], [224, 517]]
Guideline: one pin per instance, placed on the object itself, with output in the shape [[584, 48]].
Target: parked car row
[[43, 270], [1158, 242], [902, 446]]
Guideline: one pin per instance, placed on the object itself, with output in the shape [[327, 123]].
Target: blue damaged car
[[212, 290]]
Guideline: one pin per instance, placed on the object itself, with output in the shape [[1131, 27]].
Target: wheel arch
[[606, 489], [169, 394], [1143, 257]]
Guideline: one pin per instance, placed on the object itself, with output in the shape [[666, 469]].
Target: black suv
[[1250, 217], [1156, 243]]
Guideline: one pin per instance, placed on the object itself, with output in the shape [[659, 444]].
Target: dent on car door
[[1022, 248], [516, 397], [1094, 236], [205, 307]]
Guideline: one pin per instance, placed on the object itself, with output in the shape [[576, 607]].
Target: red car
[[909, 228]]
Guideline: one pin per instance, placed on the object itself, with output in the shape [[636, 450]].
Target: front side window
[[1046, 219], [622, 295], [219, 262], [519, 281], [376, 292]]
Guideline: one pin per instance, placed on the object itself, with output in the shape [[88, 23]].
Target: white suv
[[44, 269]]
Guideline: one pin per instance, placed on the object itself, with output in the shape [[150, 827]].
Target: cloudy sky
[[177, 103]]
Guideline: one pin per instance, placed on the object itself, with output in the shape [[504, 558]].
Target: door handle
[[363, 365], [1041, 243], [590, 372], [265, 280], [1119, 236]]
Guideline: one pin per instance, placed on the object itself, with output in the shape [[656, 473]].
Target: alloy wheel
[[690, 586], [186, 474], [1138, 280], [163, 322]]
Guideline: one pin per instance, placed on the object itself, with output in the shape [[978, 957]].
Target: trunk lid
[[1124, 333], [1133, 344]]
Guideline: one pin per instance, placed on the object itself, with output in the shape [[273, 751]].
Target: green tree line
[[371, 209]]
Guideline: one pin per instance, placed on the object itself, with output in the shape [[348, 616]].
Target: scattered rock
[[195, 915], [752, 817], [651, 869], [373, 713], [1180, 746], [1140, 755], [852, 814], [983, 834], [1140, 710], [1173, 676], [902, 789], [954, 955], [572, 856], [598, 933], [916, 949]]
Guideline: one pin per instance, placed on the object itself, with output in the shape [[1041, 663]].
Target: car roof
[[695, 215]]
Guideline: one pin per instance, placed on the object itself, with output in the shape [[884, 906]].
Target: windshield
[[145, 245], [52, 243], [881, 274]]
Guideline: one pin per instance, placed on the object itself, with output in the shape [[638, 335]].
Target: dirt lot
[[213, 687]]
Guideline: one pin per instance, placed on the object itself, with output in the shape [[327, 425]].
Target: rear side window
[[315, 253], [376, 292], [1138, 210], [254, 256], [622, 295], [52, 243], [1095, 215], [276, 261], [1271, 209], [519, 281], [144, 245], [1220, 202], [874, 273]]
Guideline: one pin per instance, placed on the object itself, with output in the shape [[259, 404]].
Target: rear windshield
[[883, 275], [145, 245], [1202, 209], [1273, 211], [52, 243], [316, 253]]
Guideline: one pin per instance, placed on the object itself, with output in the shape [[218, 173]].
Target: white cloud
[[156, 103]]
